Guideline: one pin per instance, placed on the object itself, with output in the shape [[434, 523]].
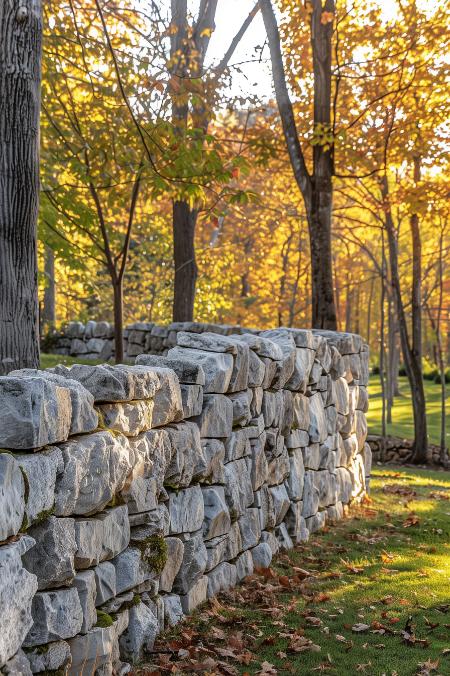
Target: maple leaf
[[267, 669]]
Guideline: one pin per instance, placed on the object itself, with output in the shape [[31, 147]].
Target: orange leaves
[[412, 520], [327, 17]]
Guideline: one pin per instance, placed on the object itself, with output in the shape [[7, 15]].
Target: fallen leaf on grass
[[355, 570], [412, 520], [363, 667], [359, 628], [267, 669]]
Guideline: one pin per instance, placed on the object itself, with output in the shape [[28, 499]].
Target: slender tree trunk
[[316, 189], [348, 306], [184, 220], [118, 319], [48, 316], [412, 364], [383, 351], [20, 79], [369, 310]]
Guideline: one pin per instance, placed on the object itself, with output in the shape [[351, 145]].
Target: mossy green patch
[[154, 552], [104, 619]]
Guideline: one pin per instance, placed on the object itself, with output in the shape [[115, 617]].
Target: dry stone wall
[[131, 494]]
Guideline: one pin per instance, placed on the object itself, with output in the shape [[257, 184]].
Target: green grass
[[399, 572], [402, 420], [49, 360]]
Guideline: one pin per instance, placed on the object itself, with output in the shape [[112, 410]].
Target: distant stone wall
[[130, 494]]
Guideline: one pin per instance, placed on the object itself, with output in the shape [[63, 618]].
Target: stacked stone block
[[131, 494]]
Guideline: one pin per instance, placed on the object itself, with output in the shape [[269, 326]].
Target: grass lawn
[[402, 425], [49, 360], [387, 563]]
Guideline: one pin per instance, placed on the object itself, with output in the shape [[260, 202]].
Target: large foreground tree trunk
[[20, 78], [184, 221]]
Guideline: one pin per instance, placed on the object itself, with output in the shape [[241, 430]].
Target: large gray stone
[[262, 555], [84, 417], [327, 486], [195, 596], [304, 360], [133, 567], [186, 510], [260, 469], [221, 578], [214, 450], [318, 430], [129, 418], [310, 495], [56, 615], [241, 407], [52, 557], [273, 408], [192, 399], [341, 395], [173, 612], [150, 457], [12, 496], [109, 383], [40, 471], [195, 558], [301, 417], [85, 585], [286, 366], [175, 551], [140, 635], [188, 460], [56, 656], [168, 406], [34, 412], [281, 502], [311, 456], [187, 370], [212, 342], [264, 502], [216, 419], [95, 469], [238, 487], [237, 445], [294, 482], [19, 665], [250, 528], [105, 582], [217, 367], [97, 652], [101, 537], [296, 523], [155, 521], [217, 517], [17, 588]]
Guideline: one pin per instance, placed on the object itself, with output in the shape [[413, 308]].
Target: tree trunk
[[118, 320], [316, 190], [382, 350], [184, 220], [20, 78], [48, 316], [412, 364]]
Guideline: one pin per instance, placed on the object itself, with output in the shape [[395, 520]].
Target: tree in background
[[316, 188], [20, 80]]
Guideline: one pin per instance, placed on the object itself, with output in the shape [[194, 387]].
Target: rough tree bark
[[188, 58], [20, 78], [48, 316], [317, 188], [411, 358]]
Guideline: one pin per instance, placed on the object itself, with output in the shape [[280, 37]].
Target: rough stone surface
[[109, 383], [84, 583], [101, 537], [175, 552], [238, 487], [196, 595], [17, 588], [34, 412], [217, 517], [217, 367], [139, 637], [56, 615], [95, 469], [216, 419], [173, 612], [193, 565], [186, 510], [52, 557], [188, 372], [262, 555], [129, 418], [12, 496], [56, 656], [192, 399], [168, 406], [221, 578]]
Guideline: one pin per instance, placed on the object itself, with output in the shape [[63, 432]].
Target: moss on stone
[[104, 619], [136, 600], [26, 494], [45, 514], [154, 552]]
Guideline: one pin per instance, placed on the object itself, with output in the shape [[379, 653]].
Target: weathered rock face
[[153, 487], [95, 469], [33, 412]]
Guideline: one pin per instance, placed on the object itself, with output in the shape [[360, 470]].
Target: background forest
[[176, 184]]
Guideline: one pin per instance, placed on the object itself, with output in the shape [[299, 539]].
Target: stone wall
[[130, 494]]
